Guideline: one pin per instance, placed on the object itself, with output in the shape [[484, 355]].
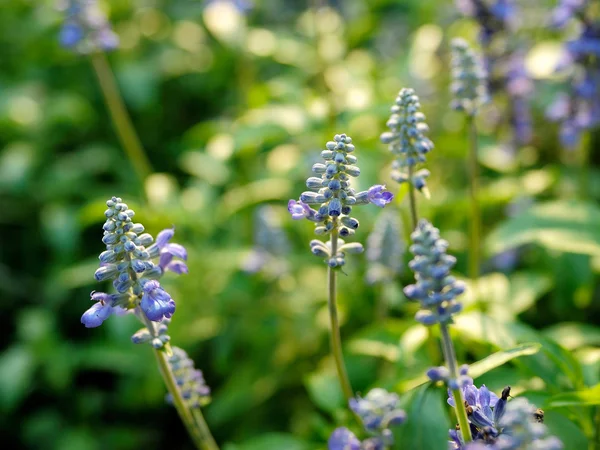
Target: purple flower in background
[[156, 302], [578, 110], [86, 28], [493, 16], [379, 196], [343, 439]]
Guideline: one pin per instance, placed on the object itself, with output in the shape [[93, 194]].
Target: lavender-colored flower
[[343, 439], [436, 290], [567, 10], [128, 262], [333, 192], [378, 410], [190, 381], [100, 311], [579, 109], [156, 302], [167, 251], [379, 196], [492, 16], [300, 210], [407, 139], [86, 28]]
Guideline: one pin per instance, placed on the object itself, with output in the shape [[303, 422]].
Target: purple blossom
[[156, 302], [168, 251], [299, 210], [379, 196], [343, 439], [100, 311]]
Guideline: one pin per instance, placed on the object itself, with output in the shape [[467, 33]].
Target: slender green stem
[[207, 438], [450, 357], [412, 199], [195, 424], [120, 118], [475, 219], [595, 445], [336, 340]]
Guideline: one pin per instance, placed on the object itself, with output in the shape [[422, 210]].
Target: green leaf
[[585, 397], [427, 422], [482, 366], [570, 227], [499, 358], [324, 390], [574, 335], [17, 366]]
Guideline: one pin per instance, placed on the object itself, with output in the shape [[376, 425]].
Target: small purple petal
[[178, 267], [97, 314], [156, 302], [343, 439], [176, 250], [164, 236]]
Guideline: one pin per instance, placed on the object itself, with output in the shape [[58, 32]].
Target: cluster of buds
[[435, 289], [332, 191], [378, 412], [135, 264], [86, 28], [407, 139], [469, 85], [190, 381]]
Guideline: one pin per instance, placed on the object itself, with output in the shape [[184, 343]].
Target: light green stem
[[459, 407], [475, 219], [412, 198], [120, 118], [193, 421], [336, 340]]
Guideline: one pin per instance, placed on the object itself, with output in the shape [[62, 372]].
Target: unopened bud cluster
[[379, 412], [469, 85], [158, 339], [435, 289], [407, 139], [189, 380], [86, 28], [442, 373], [331, 190], [134, 264]]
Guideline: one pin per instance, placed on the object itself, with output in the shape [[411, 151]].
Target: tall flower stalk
[[470, 92], [86, 30], [332, 192], [408, 141], [437, 291], [135, 263]]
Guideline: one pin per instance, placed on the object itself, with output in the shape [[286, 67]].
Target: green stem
[[120, 118], [412, 199], [475, 219], [336, 340], [199, 432], [450, 357]]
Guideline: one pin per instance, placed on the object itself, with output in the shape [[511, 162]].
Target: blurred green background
[[232, 102]]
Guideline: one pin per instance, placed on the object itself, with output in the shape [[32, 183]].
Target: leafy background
[[232, 107]]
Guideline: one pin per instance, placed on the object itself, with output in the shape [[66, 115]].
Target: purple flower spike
[[379, 196], [299, 210], [156, 302], [97, 314]]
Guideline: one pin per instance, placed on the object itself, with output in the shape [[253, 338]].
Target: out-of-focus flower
[[189, 380], [86, 28], [407, 139], [469, 78], [385, 248]]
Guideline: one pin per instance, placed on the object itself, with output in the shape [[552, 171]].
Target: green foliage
[[230, 109]]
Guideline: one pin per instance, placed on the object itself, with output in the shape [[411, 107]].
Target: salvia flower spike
[[407, 140], [469, 78], [330, 200], [134, 264], [86, 28], [378, 412]]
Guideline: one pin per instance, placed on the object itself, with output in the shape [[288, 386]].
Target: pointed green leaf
[[585, 397]]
